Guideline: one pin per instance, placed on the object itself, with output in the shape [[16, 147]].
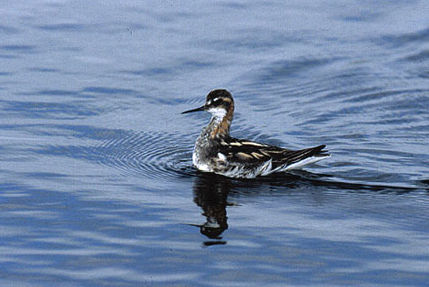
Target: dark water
[[97, 186]]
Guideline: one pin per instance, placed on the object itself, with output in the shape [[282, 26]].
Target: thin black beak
[[202, 108]]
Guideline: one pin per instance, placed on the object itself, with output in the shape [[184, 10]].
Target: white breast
[[198, 163]]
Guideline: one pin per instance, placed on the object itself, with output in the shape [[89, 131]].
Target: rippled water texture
[[97, 186]]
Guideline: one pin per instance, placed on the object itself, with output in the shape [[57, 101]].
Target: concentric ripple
[[155, 155]]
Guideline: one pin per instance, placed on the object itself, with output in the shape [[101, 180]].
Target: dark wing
[[245, 151], [293, 156]]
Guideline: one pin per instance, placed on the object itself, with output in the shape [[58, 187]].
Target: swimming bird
[[217, 152]]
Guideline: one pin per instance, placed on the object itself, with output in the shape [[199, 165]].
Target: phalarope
[[216, 151]]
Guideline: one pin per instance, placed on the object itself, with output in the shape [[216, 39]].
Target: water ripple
[[420, 36], [154, 155]]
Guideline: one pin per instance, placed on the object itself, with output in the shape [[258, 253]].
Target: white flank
[[266, 168], [303, 162], [221, 156]]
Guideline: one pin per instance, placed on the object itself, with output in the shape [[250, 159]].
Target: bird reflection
[[210, 193]]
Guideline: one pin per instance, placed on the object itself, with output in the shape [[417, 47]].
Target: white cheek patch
[[217, 112]]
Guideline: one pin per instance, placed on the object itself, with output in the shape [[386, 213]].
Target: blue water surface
[[97, 186]]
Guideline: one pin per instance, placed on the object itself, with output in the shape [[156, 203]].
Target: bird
[[215, 151]]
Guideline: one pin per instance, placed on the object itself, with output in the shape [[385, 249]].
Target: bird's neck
[[220, 123]]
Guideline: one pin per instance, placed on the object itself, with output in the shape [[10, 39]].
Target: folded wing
[[253, 154]]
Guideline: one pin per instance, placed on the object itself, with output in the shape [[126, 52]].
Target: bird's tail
[[300, 158]]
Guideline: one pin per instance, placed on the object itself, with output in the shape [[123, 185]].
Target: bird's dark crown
[[217, 98]]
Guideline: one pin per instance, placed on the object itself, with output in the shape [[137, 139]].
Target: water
[[97, 185]]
